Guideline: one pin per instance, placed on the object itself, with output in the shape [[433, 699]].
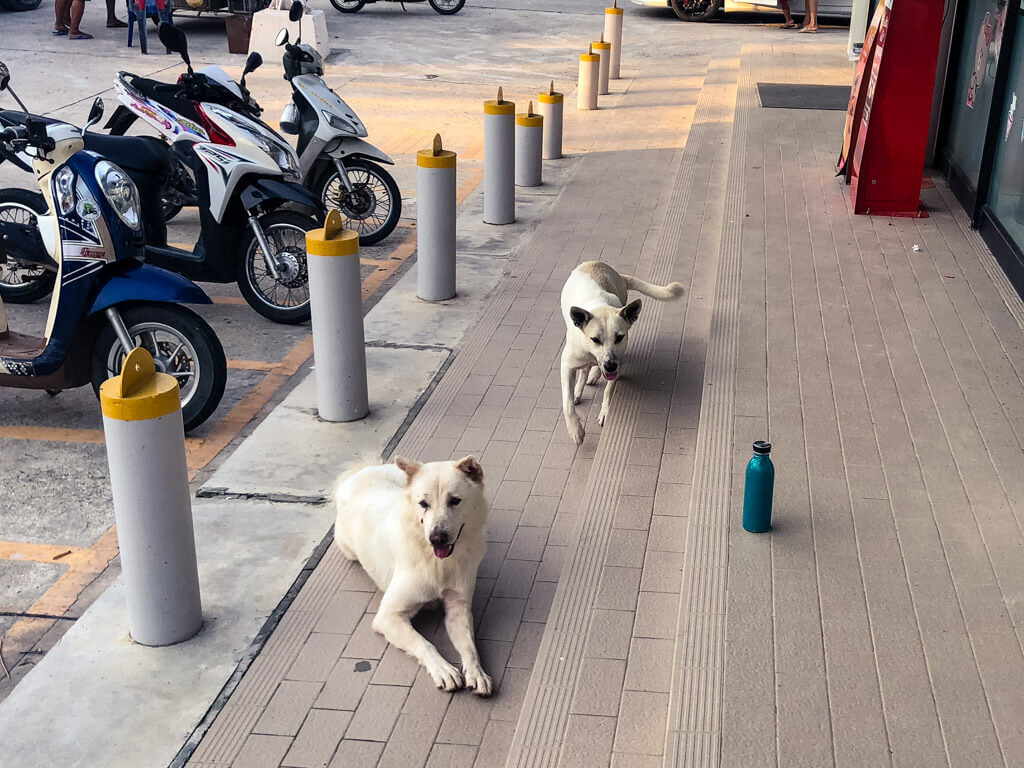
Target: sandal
[[80, 36], [58, 32], [812, 30], [789, 25]]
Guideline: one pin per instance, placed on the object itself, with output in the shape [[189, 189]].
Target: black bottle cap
[[762, 446]]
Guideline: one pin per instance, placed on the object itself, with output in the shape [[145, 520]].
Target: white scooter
[[336, 164]]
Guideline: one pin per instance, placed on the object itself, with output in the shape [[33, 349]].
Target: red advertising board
[[888, 156], [858, 91]]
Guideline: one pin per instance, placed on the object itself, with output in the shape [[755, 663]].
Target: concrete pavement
[[624, 614]]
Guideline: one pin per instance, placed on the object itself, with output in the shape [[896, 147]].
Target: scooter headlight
[[64, 190], [339, 123], [120, 192]]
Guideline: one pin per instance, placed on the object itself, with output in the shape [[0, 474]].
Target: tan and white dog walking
[[597, 323], [418, 531]]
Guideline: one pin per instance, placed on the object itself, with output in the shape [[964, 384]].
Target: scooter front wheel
[[285, 298], [182, 344], [374, 205], [22, 283], [447, 7], [348, 6]]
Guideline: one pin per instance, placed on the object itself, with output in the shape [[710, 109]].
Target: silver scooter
[[336, 164]]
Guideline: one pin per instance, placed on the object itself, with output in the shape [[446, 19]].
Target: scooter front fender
[[353, 147], [144, 282]]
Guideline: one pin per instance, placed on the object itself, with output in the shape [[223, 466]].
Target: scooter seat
[[133, 153], [170, 95]]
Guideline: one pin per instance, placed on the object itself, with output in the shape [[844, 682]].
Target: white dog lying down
[[597, 323], [418, 531]]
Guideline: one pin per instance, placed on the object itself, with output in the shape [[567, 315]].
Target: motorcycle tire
[[284, 299], [375, 205], [696, 10], [20, 5], [23, 284], [348, 6], [181, 343], [447, 7]]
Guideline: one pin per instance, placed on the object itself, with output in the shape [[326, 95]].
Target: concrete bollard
[[550, 108], [152, 506], [499, 161], [336, 306], [435, 222], [602, 49], [613, 34], [529, 148], [586, 90]]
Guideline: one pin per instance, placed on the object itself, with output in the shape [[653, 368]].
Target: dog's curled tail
[[660, 292]]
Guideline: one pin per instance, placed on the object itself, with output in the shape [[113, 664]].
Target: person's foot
[[115, 23], [59, 31], [789, 25], [808, 29], [79, 35]]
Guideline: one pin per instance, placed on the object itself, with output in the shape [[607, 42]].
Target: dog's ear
[[471, 468], [631, 311], [580, 317], [408, 466]]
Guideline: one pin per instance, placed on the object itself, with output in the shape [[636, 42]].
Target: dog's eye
[[424, 503], [595, 339], [618, 338], [454, 501]]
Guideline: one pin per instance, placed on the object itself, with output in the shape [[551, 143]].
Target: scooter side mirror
[[296, 11], [255, 61], [95, 113], [174, 40], [282, 37], [5, 76]]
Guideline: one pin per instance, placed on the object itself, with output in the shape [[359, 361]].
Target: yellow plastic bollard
[[152, 505], [336, 309], [550, 108]]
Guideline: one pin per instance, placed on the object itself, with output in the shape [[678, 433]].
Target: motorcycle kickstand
[[268, 257], [120, 329]]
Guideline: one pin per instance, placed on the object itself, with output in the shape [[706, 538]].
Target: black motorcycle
[[444, 7]]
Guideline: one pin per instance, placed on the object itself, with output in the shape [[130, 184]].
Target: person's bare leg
[[784, 5], [112, 21], [62, 14], [811, 18], [77, 11]]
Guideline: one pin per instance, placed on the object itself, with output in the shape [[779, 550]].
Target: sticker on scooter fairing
[[87, 210], [152, 113]]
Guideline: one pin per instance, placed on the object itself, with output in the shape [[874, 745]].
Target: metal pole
[[613, 34], [550, 108], [145, 441], [435, 223], [499, 161], [604, 50], [586, 91], [336, 307], [529, 148]]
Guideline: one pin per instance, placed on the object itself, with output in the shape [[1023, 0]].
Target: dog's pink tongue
[[610, 376], [443, 552]]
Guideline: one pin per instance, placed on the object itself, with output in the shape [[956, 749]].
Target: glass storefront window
[[1006, 196], [975, 80]]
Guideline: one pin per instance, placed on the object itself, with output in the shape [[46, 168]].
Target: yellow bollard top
[[601, 45], [499, 106], [614, 9], [333, 239], [139, 393], [552, 96], [436, 157], [529, 119]]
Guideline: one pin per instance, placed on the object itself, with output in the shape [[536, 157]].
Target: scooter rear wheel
[[348, 6], [284, 299], [182, 344], [22, 283]]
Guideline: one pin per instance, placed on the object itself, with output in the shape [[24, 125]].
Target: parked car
[[703, 10]]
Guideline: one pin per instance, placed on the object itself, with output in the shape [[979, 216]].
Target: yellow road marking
[[56, 434], [235, 300], [37, 553], [251, 365]]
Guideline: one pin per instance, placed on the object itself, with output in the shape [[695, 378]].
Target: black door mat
[[803, 96]]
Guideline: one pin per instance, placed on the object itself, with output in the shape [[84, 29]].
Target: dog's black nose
[[439, 539], [611, 366]]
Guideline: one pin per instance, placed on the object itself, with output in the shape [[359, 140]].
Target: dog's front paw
[[600, 418], [445, 676], [575, 428], [577, 399], [479, 681]]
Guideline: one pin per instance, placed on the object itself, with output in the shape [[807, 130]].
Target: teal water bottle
[[757, 490]]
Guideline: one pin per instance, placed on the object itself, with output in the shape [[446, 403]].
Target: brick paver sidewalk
[[624, 615]]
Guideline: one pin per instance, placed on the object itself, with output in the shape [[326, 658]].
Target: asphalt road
[[408, 74]]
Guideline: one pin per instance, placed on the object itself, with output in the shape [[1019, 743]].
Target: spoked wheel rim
[[172, 353], [366, 207], [290, 288], [447, 5], [350, 5], [13, 274]]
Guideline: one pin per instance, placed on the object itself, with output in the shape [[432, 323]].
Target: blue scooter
[[106, 300]]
